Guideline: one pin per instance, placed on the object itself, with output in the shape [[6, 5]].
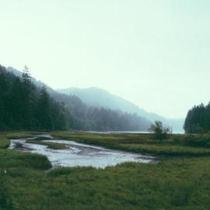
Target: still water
[[77, 154]]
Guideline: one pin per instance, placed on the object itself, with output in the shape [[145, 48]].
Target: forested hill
[[101, 98], [26, 104], [197, 120]]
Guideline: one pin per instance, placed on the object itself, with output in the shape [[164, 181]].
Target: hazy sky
[[155, 53]]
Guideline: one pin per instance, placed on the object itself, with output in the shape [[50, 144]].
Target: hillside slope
[[101, 98], [92, 117]]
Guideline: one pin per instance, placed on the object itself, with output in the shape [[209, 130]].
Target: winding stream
[[77, 154]]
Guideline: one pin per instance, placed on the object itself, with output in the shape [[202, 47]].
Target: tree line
[[198, 119], [25, 105]]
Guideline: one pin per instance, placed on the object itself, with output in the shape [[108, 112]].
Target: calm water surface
[[77, 154]]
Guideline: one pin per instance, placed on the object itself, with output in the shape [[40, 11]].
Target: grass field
[[175, 146], [179, 181]]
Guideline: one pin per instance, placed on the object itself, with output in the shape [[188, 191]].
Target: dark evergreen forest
[[24, 105], [198, 119]]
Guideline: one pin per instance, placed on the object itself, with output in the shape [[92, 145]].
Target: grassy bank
[[4, 143], [174, 146], [182, 183]]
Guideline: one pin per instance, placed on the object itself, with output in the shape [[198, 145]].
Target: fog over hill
[[101, 98], [75, 98], [84, 116]]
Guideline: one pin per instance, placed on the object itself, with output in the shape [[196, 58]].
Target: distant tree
[[43, 110], [29, 98], [160, 132], [26, 73]]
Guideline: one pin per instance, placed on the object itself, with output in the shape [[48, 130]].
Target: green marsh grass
[[176, 184]]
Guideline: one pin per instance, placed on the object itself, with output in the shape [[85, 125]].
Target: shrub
[[160, 132]]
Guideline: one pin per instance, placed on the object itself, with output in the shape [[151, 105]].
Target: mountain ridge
[[87, 117], [98, 97], [102, 98]]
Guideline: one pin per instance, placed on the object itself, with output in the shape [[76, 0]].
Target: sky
[[154, 53]]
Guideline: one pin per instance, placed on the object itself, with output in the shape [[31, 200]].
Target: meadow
[[180, 180]]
